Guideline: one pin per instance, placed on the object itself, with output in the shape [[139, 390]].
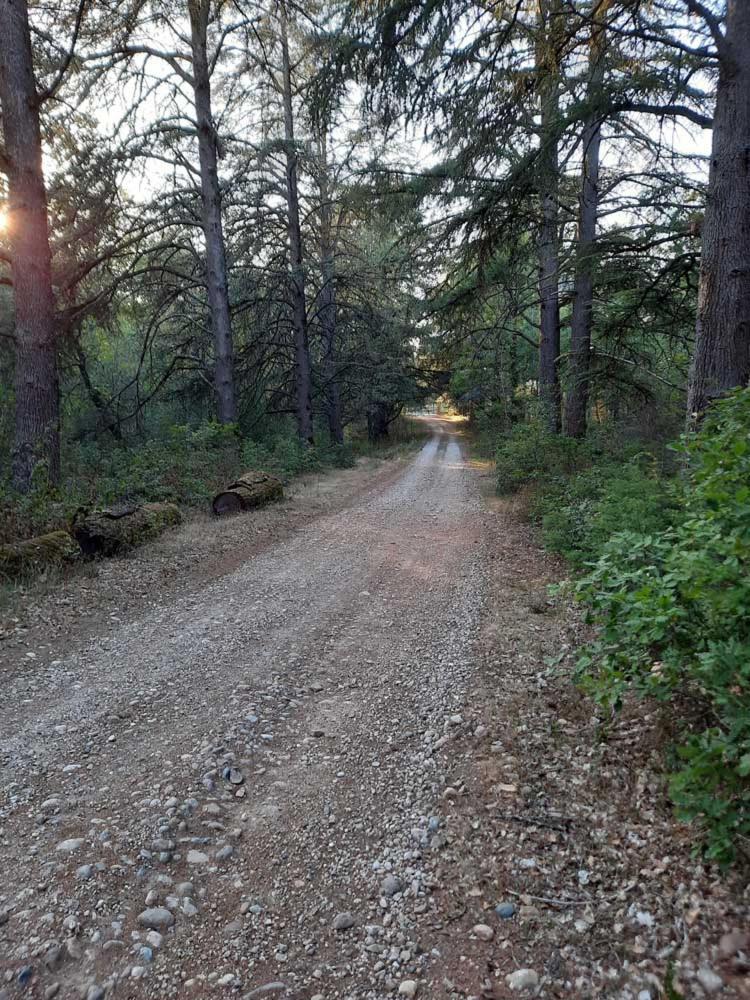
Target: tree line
[[249, 211], [176, 205]]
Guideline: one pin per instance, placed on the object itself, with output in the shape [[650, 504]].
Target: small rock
[[155, 939], [95, 992], [196, 858], [53, 956], [84, 872], [505, 910], [235, 776], [224, 853], [390, 885], [522, 979], [343, 921], [483, 932], [68, 846], [408, 988], [708, 979], [25, 975], [156, 917], [733, 942], [52, 990]]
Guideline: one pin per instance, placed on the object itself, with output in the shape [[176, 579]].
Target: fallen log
[[33, 554], [106, 532], [252, 489]]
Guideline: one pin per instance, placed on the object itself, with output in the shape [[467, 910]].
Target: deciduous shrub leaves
[[673, 610]]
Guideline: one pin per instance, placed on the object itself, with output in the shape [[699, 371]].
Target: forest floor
[[306, 753]]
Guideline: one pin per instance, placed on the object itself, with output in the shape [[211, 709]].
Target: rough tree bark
[[302, 366], [37, 420], [252, 489], [722, 344], [548, 241], [216, 262], [576, 404], [105, 532], [328, 299]]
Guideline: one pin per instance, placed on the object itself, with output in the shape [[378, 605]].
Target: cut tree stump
[[252, 489], [33, 554], [106, 532]]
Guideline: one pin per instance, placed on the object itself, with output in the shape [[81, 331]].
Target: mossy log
[[34, 554], [252, 489], [106, 532]]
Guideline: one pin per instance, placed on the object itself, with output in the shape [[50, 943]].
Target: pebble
[[390, 885], [733, 942], [197, 858], [155, 917], [85, 871], [155, 939], [95, 992], [483, 932], [522, 979], [68, 846], [708, 979], [224, 853], [408, 988], [52, 990], [343, 921]]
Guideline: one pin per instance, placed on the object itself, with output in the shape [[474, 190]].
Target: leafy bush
[[674, 616], [528, 452], [580, 514]]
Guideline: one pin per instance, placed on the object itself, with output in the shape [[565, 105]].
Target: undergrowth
[[184, 465], [666, 582]]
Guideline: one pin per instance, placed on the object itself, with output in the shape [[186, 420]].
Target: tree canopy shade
[[253, 211]]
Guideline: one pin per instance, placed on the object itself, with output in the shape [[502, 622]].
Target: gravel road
[[339, 757], [253, 762]]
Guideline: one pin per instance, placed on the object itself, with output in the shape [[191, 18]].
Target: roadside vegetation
[[183, 465], [657, 537]]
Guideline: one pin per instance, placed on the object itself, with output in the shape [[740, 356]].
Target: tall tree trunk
[[302, 366], [37, 421], [328, 300], [722, 343], [216, 260], [576, 404], [548, 183]]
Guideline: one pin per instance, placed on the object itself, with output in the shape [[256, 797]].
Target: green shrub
[[528, 452], [580, 514], [674, 624]]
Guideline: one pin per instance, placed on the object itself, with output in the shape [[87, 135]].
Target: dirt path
[[316, 769]]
